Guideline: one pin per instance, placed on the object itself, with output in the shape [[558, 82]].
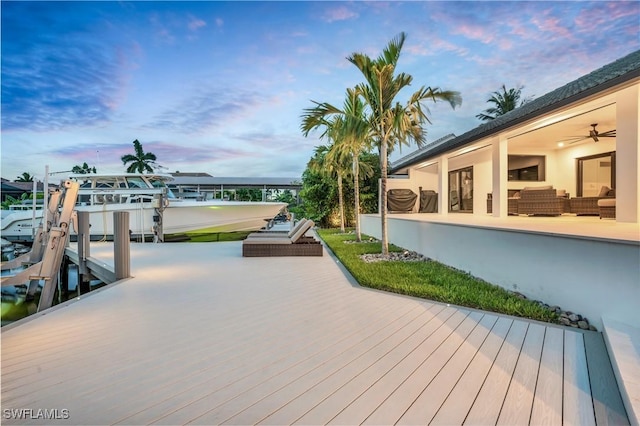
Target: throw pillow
[[604, 191], [611, 193]]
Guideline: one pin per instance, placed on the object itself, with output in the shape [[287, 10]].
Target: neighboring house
[[545, 142], [208, 186], [16, 189]]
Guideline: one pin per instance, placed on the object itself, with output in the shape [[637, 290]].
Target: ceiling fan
[[593, 134]]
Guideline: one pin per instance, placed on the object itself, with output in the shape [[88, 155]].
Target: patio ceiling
[[545, 133]]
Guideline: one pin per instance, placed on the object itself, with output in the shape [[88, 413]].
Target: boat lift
[[48, 247]]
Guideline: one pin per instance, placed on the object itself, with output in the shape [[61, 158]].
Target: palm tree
[[390, 122], [503, 103], [24, 177], [353, 137], [332, 161], [84, 169], [141, 161]]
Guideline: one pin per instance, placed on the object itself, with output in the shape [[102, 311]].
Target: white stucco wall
[[590, 277]]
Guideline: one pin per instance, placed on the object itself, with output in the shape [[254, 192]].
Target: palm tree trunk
[[341, 203], [356, 196], [383, 196]]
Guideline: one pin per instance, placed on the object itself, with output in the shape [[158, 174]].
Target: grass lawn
[[429, 280]]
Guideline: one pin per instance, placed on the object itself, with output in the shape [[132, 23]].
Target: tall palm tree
[[140, 162], [503, 102], [328, 162], [390, 122], [354, 137], [24, 177]]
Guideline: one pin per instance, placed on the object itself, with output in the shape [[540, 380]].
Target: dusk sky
[[219, 87]]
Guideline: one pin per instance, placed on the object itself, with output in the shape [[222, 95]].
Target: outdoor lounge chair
[[270, 233], [296, 245]]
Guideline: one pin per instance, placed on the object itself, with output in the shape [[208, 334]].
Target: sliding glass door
[[594, 172], [461, 190]]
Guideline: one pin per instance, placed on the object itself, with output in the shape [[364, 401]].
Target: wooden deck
[[202, 335]]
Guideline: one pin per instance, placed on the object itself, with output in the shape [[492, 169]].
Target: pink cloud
[[434, 46], [196, 23], [476, 32], [551, 25], [341, 13]]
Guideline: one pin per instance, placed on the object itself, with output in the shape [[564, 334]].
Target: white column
[[499, 172], [443, 186], [628, 155]]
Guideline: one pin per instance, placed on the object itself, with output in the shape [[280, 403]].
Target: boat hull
[[178, 217]]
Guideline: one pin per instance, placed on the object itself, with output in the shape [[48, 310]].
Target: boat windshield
[[160, 183]]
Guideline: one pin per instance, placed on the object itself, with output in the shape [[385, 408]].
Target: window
[[526, 167]]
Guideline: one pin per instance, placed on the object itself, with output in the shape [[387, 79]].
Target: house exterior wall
[[576, 274]]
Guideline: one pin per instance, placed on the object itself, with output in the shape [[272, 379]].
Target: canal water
[[16, 304]]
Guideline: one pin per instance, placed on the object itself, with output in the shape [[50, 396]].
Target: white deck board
[[516, 408], [201, 335], [424, 408], [488, 403], [547, 406], [459, 401], [577, 402]]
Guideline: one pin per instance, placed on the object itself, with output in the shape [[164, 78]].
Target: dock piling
[[121, 249], [84, 237]]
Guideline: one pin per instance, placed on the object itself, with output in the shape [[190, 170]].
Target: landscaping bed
[[413, 275]]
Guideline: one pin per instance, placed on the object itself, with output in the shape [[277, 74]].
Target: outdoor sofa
[[589, 205], [543, 201]]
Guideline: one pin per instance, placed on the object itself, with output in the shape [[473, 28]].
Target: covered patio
[[581, 141]]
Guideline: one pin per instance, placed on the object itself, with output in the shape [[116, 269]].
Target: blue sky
[[219, 87]]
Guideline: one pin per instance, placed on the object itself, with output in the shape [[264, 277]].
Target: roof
[[189, 174], [271, 182], [20, 186], [618, 72]]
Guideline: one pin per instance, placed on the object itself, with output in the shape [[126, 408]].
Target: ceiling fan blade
[[576, 140], [608, 134]]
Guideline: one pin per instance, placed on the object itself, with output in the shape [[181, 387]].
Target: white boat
[[152, 207]]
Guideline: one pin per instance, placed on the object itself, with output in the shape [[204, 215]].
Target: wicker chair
[[543, 202]]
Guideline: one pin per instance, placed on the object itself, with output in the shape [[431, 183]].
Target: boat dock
[[201, 335]]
